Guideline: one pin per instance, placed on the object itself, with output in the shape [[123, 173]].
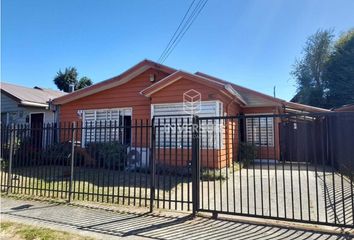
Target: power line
[[188, 24], [173, 36], [185, 26]]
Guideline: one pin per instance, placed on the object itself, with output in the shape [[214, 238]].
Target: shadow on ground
[[153, 226]]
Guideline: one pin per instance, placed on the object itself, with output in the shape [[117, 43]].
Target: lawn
[[17, 231]]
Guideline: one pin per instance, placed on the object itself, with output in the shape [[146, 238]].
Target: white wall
[[9, 105]]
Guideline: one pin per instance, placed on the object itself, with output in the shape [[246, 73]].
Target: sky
[[252, 43]]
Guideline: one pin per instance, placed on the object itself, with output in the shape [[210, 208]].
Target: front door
[[37, 129]]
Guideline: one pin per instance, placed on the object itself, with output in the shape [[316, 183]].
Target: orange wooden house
[[150, 90]]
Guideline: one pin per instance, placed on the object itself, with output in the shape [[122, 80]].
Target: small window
[[104, 125], [260, 131]]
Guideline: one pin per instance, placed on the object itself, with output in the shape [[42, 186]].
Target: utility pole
[[274, 91]]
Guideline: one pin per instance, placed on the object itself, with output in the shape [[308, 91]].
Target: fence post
[[152, 166], [195, 164], [9, 176], [73, 131]]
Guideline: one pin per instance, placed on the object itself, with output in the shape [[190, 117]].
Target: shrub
[[58, 153], [18, 146], [213, 174], [248, 152], [112, 155]]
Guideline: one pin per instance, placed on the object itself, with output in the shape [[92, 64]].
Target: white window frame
[[95, 113], [255, 141], [218, 113]]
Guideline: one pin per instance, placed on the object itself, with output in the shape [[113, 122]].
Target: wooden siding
[[128, 95]]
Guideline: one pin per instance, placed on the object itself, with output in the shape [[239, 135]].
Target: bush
[[213, 174], [18, 147], [248, 152], [58, 153], [112, 155]]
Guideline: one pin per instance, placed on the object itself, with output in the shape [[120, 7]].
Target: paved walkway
[[103, 224], [301, 193]]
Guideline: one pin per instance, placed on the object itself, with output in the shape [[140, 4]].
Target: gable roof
[[35, 97], [245, 96], [224, 88], [257, 99], [345, 108], [251, 97], [113, 82]]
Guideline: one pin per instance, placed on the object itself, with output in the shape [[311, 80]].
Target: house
[[23, 105], [149, 90], [345, 108]]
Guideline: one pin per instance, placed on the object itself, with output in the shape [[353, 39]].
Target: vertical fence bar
[[195, 164], [182, 163], [73, 131], [9, 176], [152, 165]]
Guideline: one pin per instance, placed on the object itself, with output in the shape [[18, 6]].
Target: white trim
[[256, 114], [208, 101], [33, 104], [227, 86], [231, 90], [161, 87]]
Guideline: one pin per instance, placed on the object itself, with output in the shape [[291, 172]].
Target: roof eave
[[33, 104], [303, 107], [112, 82]]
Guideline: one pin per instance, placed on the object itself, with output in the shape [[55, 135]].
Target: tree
[[339, 72], [63, 80], [309, 69], [84, 82]]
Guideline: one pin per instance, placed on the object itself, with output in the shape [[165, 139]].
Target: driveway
[[294, 191]]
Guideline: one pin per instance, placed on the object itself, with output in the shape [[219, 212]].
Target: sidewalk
[[103, 224]]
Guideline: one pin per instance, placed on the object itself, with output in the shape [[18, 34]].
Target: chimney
[[71, 87]]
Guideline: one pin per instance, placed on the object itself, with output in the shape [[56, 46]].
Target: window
[[9, 117], [101, 125], [4, 118], [260, 130], [175, 126]]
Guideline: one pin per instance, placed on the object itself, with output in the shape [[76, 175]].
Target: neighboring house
[[150, 90], [345, 108], [23, 105]]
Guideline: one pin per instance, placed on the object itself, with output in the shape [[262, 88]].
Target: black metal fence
[[98, 161], [291, 167]]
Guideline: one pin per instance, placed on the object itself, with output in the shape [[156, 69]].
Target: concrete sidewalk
[[103, 224]]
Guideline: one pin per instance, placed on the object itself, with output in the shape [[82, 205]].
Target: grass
[[96, 185], [102, 185], [210, 175], [12, 230]]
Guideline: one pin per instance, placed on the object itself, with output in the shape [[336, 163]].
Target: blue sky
[[253, 43]]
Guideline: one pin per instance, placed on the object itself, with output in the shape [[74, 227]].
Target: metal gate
[[244, 170]]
